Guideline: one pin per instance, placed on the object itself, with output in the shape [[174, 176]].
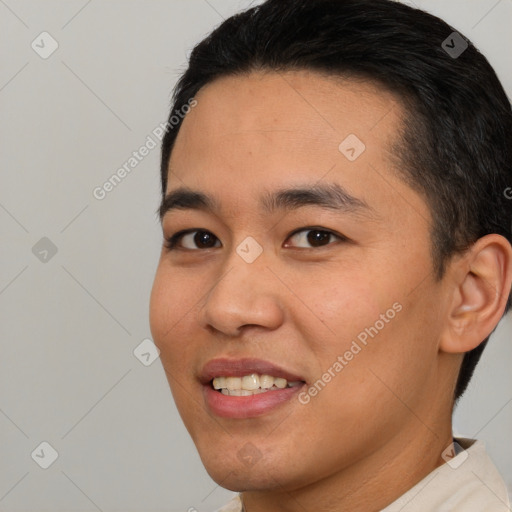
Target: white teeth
[[280, 383], [266, 381], [252, 384], [219, 382], [233, 383]]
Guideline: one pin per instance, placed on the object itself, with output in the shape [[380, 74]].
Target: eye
[[201, 237], [317, 237], [204, 239]]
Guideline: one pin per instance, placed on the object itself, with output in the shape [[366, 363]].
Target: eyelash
[[172, 241]]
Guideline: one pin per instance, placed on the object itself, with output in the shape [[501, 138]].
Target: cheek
[[170, 303], [160, 304], [342, 306], [389, 358], [169, 306], [362, 387], [374, 324]]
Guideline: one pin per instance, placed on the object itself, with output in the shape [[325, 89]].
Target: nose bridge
[[243, 293]]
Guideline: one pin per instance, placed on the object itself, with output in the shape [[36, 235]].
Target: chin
[[244, 478], [247, 470]]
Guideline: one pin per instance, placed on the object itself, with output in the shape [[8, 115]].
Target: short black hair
[[455, 147]]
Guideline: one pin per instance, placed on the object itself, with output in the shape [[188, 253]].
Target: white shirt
[[468, 482]]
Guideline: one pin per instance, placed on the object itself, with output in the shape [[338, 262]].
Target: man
[[345, 164]]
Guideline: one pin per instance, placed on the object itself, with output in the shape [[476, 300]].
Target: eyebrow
[[329, 195]]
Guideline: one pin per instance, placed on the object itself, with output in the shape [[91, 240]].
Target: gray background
[[70, 323]]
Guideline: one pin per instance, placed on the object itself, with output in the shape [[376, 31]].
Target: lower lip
[[250, 406]]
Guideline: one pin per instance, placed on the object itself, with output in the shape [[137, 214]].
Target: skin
[[382, 422]]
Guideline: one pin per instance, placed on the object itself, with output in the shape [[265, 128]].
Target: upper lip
[[225, 367]]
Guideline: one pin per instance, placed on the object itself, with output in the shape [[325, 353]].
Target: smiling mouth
[[251, 384]]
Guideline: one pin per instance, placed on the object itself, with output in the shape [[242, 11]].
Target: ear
[[479, 286]]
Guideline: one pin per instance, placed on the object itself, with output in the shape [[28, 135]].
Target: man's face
[[343, 299]]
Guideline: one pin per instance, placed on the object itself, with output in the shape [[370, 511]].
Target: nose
[[244, 294]]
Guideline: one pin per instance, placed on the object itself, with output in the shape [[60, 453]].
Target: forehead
[[269, 114], [300, 100], [268, 129]]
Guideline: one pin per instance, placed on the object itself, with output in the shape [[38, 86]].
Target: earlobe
[[481, 288]]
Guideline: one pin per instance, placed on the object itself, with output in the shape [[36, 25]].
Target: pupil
[[203, 238], [316, 236]]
